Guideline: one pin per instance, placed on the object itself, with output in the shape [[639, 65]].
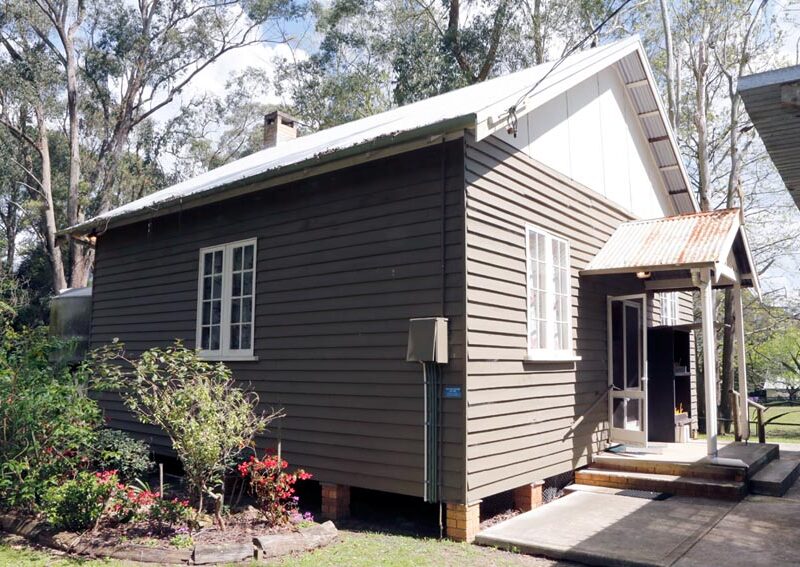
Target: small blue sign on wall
[[452, 392]]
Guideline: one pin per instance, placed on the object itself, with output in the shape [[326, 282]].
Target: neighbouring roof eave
[[437, 129], [777, 123]]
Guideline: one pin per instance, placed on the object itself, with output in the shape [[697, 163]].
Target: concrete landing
[[602, 526], [607, 529]]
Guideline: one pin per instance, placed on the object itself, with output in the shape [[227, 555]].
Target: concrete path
[[610, 529], [606, 529]]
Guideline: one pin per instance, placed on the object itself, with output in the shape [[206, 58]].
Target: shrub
[[272, 487], [116, 450], [77, 504], [48, 422], [164, 514], [131, 503], [208, 418]]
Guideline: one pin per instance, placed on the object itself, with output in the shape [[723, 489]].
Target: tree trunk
[[670, 71], [79, 270], [538, 36], [48, 209], [701, 121]]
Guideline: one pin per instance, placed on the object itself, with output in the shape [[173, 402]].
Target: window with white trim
[[226, 300], [669, 308], [549, 294]]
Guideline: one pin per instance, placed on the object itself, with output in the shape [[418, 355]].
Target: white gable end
[[591, 133]]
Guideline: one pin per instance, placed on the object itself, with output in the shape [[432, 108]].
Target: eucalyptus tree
[[28, 108], [115, 65]]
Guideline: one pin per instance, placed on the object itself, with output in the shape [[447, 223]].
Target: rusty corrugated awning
[[697, 240]]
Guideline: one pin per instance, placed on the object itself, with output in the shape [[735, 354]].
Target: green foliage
[[777, 359], [118, 451], [164, 514], [197, 404], [48, 422], [181, 541], [76, 504]]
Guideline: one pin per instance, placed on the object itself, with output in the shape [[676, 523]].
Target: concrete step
[[755, 455], [573, 488], [672, 484], [611, 462], [775, 478]]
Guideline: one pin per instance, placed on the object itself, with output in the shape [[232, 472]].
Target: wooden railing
[[761, 428]]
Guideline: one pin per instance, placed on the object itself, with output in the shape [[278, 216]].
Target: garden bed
[[240, 541]]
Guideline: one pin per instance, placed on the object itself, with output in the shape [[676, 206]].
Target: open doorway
[[670, 384]]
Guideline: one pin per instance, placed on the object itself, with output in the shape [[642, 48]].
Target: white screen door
[[627, 369]]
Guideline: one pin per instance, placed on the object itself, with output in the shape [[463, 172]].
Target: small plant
[[181, 541], [164, 515], [116, 450], [130, 502], [303, 520], [272, 487], [78, 503]]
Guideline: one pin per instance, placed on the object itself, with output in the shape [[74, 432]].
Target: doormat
[[646, 494]]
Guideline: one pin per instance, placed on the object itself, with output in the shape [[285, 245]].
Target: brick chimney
[[279, 127]]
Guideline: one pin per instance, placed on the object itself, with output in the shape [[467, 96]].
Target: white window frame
[[670, 316], [549, 352], [225, 352]]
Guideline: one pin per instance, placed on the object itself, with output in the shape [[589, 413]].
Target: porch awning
[[666, 250]]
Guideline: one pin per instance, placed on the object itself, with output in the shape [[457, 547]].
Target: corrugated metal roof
[[778, 124], [694, 240], [475, 106]]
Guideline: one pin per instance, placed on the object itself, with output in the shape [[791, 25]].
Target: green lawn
[[355, 549], [785, 428]]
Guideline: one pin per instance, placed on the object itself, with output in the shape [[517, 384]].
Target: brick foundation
[[463, 521], [335, 501], [528, 497]]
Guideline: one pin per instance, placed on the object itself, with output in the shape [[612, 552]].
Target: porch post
[[738, 315], [709, 358]]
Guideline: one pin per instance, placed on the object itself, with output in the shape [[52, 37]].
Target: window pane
[[618, 413], [235, 310], [207, 258], [632, 407], [206, 318], [237, 258], [214, 338], [218, 262], [247, 283], [236, 289], [217, 287], [216, 312], [247, 309], [207, 288], [234, 337], [245, 341], [204, 337], [248, 257]]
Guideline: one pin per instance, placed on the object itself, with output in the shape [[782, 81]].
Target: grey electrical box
[[427, 340]]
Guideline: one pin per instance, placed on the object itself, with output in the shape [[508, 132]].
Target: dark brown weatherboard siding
[[344, 260], [519, 414]]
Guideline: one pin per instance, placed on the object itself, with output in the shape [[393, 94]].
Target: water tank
[[70, 319]]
